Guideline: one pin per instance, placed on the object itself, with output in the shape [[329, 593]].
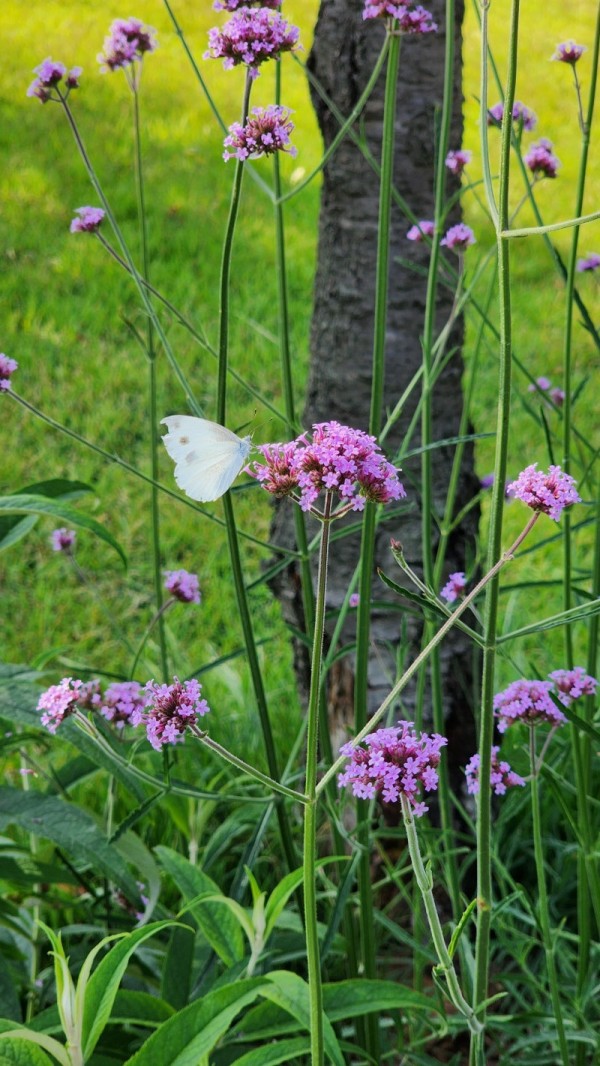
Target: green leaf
[[140, 1008], [575, 614], [280, 895], [177, 967], [23, 1047], [13, 528], [428, 606], [10, 1007], [272, 1054], [194, 1031], [41, 505], [21, 1053], [68, 827], [103, 984], [291, 993], [216, 923]]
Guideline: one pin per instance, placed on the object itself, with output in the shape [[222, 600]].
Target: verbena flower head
[[170, 709], [59, 702], [541, 160], [458, 238], [62, 540], [7, 369], [454, 586], [591, 262], [424, 228], [539, 385], [234, 5], [183, 585], [354, 600], [501, 775], [487, 481], [395, 761], [569, 52], [89, 696], [267, 131], [549, 493], [529, 702], [571, 684], [521, 115], [411, 19], [88, 220], [457, 161], [49, 75], [251, 37], [339, 459], [127, 42], [557, 396], [123, 704]]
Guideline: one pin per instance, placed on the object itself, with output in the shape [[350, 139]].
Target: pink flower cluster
[[183, 586], [458, 238], [571, 684], [62, 540], [591, 262], [411, 19], [501, 775], [251, 37], [549, 493], [7, 369], [88, 221], [541, 160], [424, 228], [337, 459], [233, 5], [520, 114], [544, 385], [170, 709], [569, 52], [395, 761], [458, 160], [529, 702], [127, 42], [123, 704], [454, 586], [59, 702], [49, 75], [266, 131]]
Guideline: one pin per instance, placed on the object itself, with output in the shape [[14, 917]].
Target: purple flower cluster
[[501, 775], [62, 540], [569, 52], [337, 459], [544, 385], [591, 262], [251, 37], [457, 161], [354, 599], [424, 228], [49, 76], [411, 19], [7, 369], [458, 238], [88, 221], [267, 130], [522, 115], [123, 704], [549, 493], [571, 684], [59, 702], [170, 709], [529, 702], [183, 586], [541, 160], [454, 586], [233, 5], [127, 42], [395, 762]]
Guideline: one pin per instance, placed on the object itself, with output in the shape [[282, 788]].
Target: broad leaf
[[291, 993], [272, 1054], [41, 505], [13, 528]]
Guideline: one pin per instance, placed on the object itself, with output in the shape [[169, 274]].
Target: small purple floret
[[541, 160], [571, 684], [458, 238], [183, 586], [49, 75], [520, 114], [354, 600], [62, 540], [457, 161], [234, 5], [251, 37], [123, 704], [501, 775], [396, 761], [569, 52], [549, 493], [127, 42], [591, 262], [170, 709], [539, 385], [424, 228], [411, 19], [529, 702], [89, 220], [59, 702], [454, 586], [267, 131], [7, 369]]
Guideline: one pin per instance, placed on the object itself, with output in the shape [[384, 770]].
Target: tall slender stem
[[310, 813], [544, 915]]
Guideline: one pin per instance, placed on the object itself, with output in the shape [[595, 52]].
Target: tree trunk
[[344, 52]]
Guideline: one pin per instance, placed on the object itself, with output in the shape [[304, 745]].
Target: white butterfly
[[208, 457]]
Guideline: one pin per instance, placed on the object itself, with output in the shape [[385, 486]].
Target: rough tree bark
[[344, 52]]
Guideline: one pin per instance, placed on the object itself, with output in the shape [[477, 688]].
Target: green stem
[[161, 611], [152, 404], [486, 726], [544, 915], [424, 881], [310, 814], [245, 767]]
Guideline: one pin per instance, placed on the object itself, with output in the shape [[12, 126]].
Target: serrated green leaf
[[216, 923], [68, 827], [41, 505], [140, 1008]]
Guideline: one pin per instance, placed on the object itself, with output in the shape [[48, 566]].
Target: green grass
[[67, 307]]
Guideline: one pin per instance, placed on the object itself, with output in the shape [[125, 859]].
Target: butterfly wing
[[208, 457]]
